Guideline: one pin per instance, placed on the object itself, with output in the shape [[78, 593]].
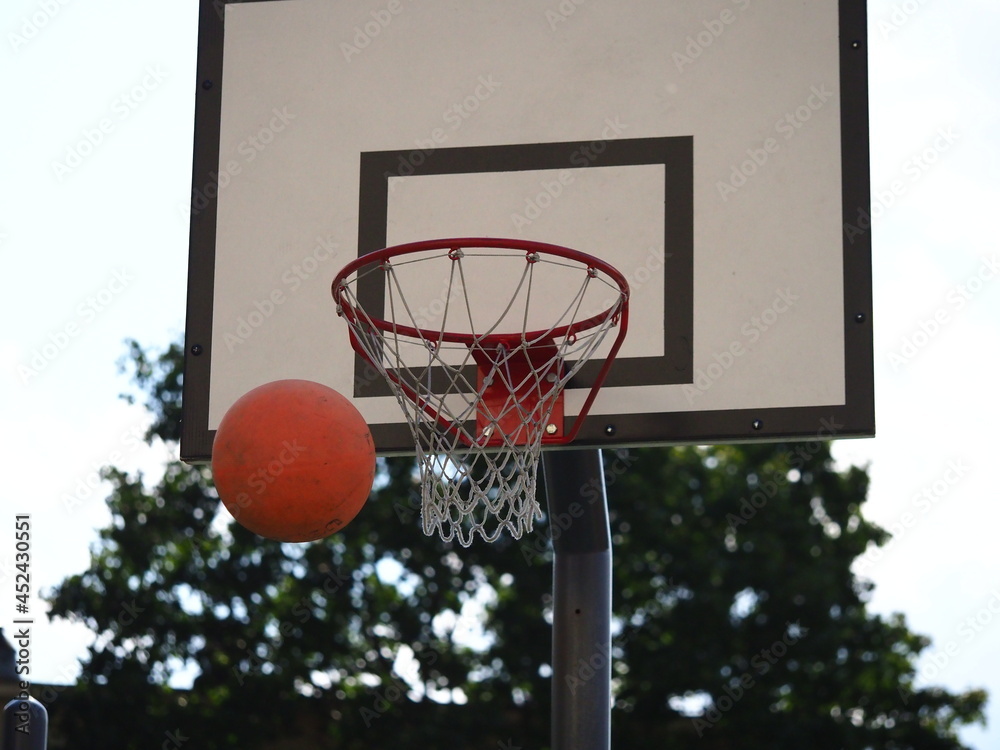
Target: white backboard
[[713, 152]]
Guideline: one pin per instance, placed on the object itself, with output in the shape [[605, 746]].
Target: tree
[[739, 622]]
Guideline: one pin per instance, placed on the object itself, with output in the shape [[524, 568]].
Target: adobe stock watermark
[[249, 149], [642, 274], [955, 300], [921, 504], [454, 117], [713, 29], [32, 25], [395, 691], [430, 314], [638, 276], [587, 669], [591, 493], [562, 12], [263, 476], [411, 509], [120, 109], [734, 689], [914, 169], [751, 331], [367, 32], [787, 127], [302, 611], [767, 489], [86, 313], [900, 16], [971, 627], [649, 269], [129, 442], [174, 740], [292, 279], [602, 654], [552, 189], [68, 674]]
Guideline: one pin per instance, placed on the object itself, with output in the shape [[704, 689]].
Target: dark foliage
[[739, 622]]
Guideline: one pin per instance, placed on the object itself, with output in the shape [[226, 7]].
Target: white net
[[481, 403]]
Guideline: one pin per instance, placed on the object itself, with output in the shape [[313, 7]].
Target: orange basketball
[[293, 461]]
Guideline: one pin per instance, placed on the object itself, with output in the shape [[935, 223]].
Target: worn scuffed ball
[[293, 461]]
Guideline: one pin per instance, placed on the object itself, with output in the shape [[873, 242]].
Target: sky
[[95, 160]]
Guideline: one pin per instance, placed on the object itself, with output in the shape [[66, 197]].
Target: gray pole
[[581, 591], [25, 725]]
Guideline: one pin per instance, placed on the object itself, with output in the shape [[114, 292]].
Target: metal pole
[[25, 725], [581, 591]]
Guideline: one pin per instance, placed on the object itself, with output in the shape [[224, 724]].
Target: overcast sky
[[95, 174]]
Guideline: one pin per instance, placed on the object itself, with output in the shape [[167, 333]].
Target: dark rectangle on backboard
[[676, 154]]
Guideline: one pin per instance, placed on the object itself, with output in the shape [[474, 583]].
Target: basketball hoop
[[479, 377]]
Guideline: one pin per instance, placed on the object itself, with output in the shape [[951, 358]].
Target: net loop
[[479, 375]]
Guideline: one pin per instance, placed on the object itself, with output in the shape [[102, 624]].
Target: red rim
[[619, 310], [528, 246]]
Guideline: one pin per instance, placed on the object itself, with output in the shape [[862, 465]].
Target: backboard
[[716, 153]]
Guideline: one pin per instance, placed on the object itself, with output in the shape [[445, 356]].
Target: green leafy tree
[[738, 620]]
